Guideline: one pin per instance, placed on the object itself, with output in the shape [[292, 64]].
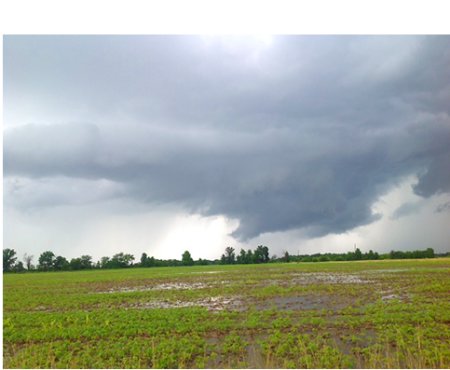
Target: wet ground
[[310, 301], [331, 315]]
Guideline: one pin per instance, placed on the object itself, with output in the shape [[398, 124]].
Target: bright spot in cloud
[[201, 236], [248, 48]]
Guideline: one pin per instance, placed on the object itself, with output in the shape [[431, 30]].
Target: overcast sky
[[160, 144]]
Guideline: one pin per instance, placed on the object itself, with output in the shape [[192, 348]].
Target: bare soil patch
[[162, 286], [328, 278], [303, 302], [211, 303]]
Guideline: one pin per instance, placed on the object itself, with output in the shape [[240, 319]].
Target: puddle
[[392, 297], [207, 272], [220, 303], [211, 303], [42, 309], [163, 286], [313, 277], [388, 270], [305, 302], [180, 286]]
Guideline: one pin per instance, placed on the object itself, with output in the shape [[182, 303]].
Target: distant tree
[[286, 257], [151, 262], [429, 253], [371, 255], [249, 258], [86, 262], [186, 259], [229, 255], [242, 257], [147, 261], [18, 267], [9, 258], [128, 259], [105, 262], [46, 260], [261, 254], [60, 263], [121, 260], [323, 258], [75, 264], [350, 256], [144, 260], [358, 254], [28, 258]]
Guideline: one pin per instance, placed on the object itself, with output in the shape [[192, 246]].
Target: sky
[[161, 144]]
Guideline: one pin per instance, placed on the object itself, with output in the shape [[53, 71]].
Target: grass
[[368, 314]]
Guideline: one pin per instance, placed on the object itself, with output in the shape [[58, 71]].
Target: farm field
[[365, 314]]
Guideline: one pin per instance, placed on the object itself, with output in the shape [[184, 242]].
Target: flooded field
[[383, 314]]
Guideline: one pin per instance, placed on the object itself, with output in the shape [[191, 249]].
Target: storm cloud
[[298, 132]]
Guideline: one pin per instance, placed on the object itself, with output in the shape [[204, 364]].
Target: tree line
[[48, 261]]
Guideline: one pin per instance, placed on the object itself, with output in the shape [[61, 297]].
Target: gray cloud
[[306, 133], [445, 207], [42, 150], [407, 209]]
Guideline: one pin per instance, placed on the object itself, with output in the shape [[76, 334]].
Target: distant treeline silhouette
[[48, 261]]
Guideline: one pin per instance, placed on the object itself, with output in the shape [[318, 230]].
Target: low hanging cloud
[[304, 133], [406, 209], [444, 207]]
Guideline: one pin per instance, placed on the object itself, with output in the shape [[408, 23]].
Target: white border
[[224, 17]]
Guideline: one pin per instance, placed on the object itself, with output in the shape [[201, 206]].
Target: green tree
[[86, 262], [105, 262], [121, 260], [144, 260], [242, 257], [261, 254], [201, 262], [230, 256], [9, 258], [75, 264], [18, 267], [249, 258], [147, 261], [60, 263], [186, 259], [46, 260], [286, 257], [429, 253]]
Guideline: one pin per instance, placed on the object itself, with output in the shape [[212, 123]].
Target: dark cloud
[[305, 133], [445, 207], [45, 150]]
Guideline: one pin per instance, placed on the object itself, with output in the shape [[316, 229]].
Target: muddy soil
[[163, 286], [211, 303], [327, 278], [304, 302]]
